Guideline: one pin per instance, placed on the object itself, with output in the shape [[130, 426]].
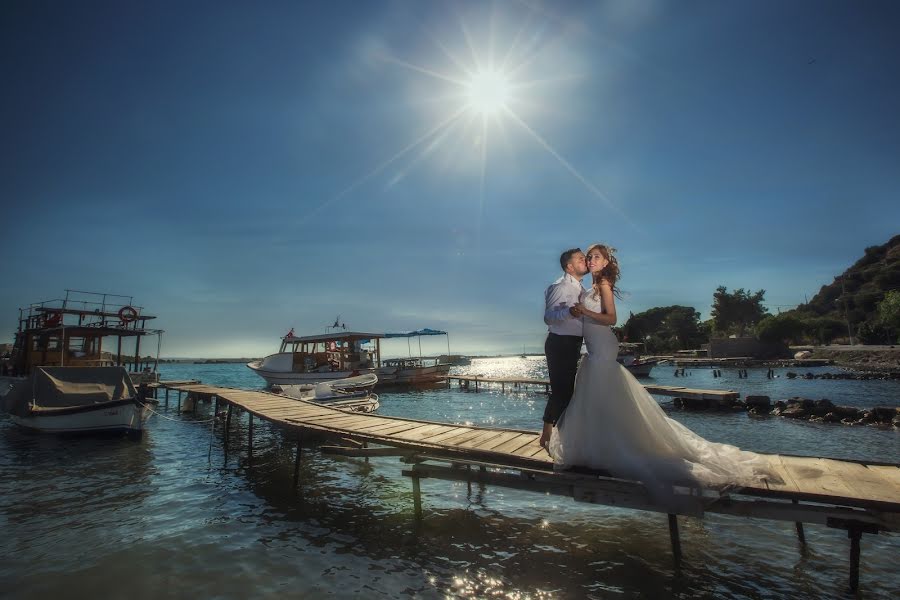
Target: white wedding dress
[[612, 423]]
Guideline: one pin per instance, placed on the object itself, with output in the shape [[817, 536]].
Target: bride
[[613, 423]]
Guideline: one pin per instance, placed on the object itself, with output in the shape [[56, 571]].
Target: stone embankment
[[861, 358], [820, 411]]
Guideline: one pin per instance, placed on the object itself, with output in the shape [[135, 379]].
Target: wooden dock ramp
[[859, 497], [478, 381]]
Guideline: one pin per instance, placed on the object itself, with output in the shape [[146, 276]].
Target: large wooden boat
[[343, 354], [60, 379]]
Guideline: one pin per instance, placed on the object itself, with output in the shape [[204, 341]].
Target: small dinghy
[[352, 393]]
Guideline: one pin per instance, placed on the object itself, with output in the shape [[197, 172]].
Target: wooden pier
[[475, 381], [855, 496]]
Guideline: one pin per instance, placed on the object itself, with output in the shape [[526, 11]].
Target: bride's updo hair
[[610, 272]]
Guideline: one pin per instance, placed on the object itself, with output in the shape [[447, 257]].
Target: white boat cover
[[54, 388]]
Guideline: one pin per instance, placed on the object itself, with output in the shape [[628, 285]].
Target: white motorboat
[[77, 400], [630, 357], [339, 355], [353, 394]]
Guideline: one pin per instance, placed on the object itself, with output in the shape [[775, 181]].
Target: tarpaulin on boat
[[424, 331], [53, 388]]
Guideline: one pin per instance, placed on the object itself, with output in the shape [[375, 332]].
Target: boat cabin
[[344, 351], [74, 332]]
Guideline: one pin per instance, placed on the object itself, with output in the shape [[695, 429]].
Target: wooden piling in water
[[675, 539]]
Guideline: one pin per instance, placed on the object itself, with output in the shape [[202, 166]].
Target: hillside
[[854, 295]]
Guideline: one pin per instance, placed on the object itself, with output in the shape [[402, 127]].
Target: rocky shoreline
[[861, 358], [817, 411]]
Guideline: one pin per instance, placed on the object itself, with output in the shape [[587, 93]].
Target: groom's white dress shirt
[[562, 295]]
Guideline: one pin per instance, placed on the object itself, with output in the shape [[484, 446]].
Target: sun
[[488, 92]]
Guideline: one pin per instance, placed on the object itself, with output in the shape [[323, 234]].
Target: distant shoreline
[[212, 361]]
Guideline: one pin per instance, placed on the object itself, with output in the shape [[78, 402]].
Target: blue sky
[[244, 168]]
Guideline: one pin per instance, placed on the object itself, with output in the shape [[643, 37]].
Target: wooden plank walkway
[[860, 497], [807, 479], [467, 381]]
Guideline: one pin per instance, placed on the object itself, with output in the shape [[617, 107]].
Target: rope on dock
[[162, 416]]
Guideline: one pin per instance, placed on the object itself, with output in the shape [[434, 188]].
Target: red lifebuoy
[[52, 319], [127, 314]]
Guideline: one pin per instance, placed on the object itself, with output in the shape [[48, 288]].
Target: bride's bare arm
[[608, 314]]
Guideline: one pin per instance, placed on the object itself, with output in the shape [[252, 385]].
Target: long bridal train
[[613, 424]]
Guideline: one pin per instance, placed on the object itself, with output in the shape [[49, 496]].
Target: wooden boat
[[416, 371], [58, 377], [343, 354], [454, 360], [77, 400]]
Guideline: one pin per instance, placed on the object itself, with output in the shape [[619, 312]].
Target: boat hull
[[420, 375], [387, 375], [274, 377], [126, 416]]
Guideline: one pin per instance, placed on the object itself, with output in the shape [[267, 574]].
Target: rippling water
[[175, 515]]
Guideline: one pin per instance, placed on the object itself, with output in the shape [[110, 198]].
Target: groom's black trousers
[[562, 352]]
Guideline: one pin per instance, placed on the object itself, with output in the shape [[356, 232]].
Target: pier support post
[[215, 411], [676, 541], [417, 497], [855, 534], [249, 436], [228, 425], [297, 460], [179, 401], [167, 397], [855, 529], [800, 534]]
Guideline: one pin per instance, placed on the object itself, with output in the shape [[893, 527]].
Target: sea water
[[176, 515]]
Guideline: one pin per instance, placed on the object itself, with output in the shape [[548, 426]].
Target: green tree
[[781, 328], [824, 329], [665, 328], [889, 310], [737, 311]]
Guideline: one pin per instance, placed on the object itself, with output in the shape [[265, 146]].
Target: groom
[[563, 345]]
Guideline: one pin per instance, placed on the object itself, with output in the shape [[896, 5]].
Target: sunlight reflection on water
[[174, 514]]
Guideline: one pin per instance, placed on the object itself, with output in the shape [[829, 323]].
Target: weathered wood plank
[[504, 437], [813, 476], [421, 433], [482, 437], [863, 482], [462, 437], [443, 437], [513, 444]]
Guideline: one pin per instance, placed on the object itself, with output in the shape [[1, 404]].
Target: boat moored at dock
[[353, 394], [339, 355], [59, 379], [77, 400]]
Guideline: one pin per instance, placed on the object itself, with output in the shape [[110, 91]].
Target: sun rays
[[486, 91]]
